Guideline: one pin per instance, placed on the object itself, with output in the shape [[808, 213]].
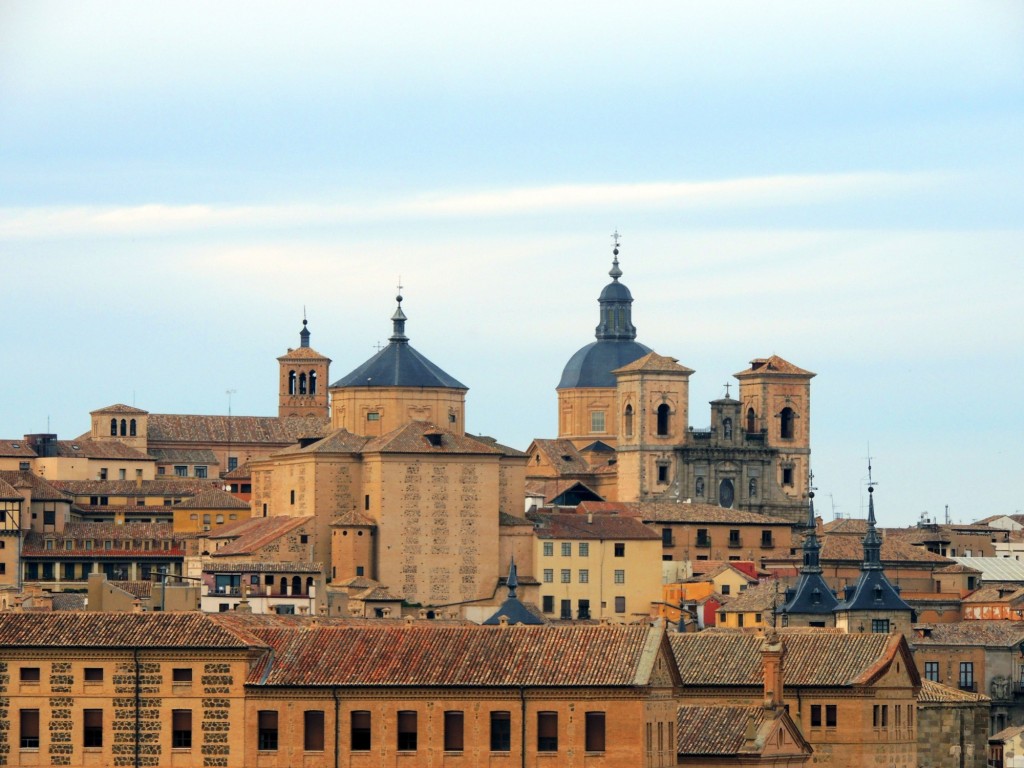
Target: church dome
[[616, 343]]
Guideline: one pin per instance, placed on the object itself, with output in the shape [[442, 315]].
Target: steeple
[[398, 322], [615, 302], [812, 547], [872, 541], [513, 580], [304, 333]]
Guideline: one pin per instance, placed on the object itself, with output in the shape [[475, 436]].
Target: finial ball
[[871, 489], [810, 495], [615, 251]]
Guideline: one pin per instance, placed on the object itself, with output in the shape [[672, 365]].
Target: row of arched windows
[[787, 422], [128, 428], [301, 383]]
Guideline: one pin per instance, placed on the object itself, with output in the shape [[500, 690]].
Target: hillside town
[[360, 580]]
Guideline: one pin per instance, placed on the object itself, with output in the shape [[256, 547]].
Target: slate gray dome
[[592, 366], [616, 343], [399, 365]]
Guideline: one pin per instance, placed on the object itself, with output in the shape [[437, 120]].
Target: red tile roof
[[260, 532], [260, 430], [118, 408], [563, 457], [773, 364], [589, 527], [41, 489], [16, 449], [412, 438], [654, 362], [164, 486], [987, 634], [213, 498], [8, 491], [680, 512], [936, 693], [116, 630], [720, 731], [99, 449]]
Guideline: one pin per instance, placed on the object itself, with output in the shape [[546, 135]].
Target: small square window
[[620, 549], [181, 675], [94, 674], [30, 675], [620, 577]]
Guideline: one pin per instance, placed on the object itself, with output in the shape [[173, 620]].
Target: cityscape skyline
[[181, 181]]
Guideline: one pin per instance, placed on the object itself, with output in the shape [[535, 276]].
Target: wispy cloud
[[760, 192]]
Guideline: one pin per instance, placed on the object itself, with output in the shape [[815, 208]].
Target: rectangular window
[[453, 731], [766, 538], [584, 576], [880, 626], [597, 421], [313, 730], [181, 675], [703, 540], [49, 517], [548, 604], [931, 671], [666, 537], [201, 471], [547, 731], [566, 549], [29, 674], [662, 474], [594, 732], [373, 416], [566, 609], [620, 549], [180, 471], [584, 549], [830, 716], [966, 676], [406, 731], [620, 604], [583, 609], [501, 732], [360, 732], [181, 729], [549, 575], [734, 537], [92, 727], [267, 730], [815, 715], [885, 715], [24, 466], [787, 476], [29, 729], [94, 674], [549, 548], [122, 474], [566, 576], [620, 577], [232, 463], [739, 619]]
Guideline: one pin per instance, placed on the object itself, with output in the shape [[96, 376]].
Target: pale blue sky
[[837, 183]]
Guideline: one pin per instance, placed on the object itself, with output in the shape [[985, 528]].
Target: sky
[[836, 183]]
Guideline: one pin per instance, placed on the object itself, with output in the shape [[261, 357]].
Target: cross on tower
[[379, 346], [727, 385], [615, 238]]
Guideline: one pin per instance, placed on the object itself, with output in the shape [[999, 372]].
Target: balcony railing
[[735, 543], [669, 542], [251, 592], [703, 542]]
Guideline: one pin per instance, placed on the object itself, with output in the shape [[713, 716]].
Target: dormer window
[[816, 596], [878, 594], [434, 438]]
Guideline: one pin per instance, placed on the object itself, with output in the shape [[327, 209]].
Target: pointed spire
[[812, 547], [398, 319], [304, 333], [513, 580], [615, 273], [872, 541]]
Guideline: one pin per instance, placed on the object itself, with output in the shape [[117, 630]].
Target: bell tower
[[303, 380]]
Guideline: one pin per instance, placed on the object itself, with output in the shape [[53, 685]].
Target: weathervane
[[615, 239]]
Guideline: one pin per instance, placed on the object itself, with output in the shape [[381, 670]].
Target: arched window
[[132, 428], [309, 584], [302, 383], [727, 429], [786, 422], [296, 585], [627, 420], [663, 411], [291, 382], [699, 487], [113, 427], [753, 487], [284, 586], [124, 428], [312, 382], [751, 420]]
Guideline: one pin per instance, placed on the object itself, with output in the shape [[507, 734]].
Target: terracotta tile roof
[[956, 568], [213, 498], [852, 525], [42, 490], [377, 595], [812, 659], [241, 472], [714, 730], [511, 520], [895, 551], [164, 486], [353, 517], [260, 430], [139, 589], [718, 569], [99, 449], [412, 438], [8, 491], [425, 654], [551, 488], [16, 449], [1006, 734], [990, 634], [652, 361], [210, 566], [937, 693], [505, 449], [303, 353], [563, 456], [680, 512], [338, 441], [118, 408], [35, 543], [189, 629], [263, 531], [996, 593], [184, 456], [592, 527], [68, 601], [356, 582], [773, 364], [758, 598]]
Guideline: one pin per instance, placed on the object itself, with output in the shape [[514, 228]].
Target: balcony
[[767, 544], [735, 544], [703, 541], [251, 592], [669, 541]]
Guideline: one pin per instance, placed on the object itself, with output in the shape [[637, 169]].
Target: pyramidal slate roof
[[812, 594], [399, 365]]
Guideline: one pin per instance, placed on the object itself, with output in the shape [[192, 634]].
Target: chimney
[[771, 655], [590, 517]]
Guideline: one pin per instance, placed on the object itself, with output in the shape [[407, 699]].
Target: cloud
[[758, 192]]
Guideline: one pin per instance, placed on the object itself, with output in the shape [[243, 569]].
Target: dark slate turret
[[812, 595], [616, 343], [873, 590], [513, 610], [398, 364], [304, 335]]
